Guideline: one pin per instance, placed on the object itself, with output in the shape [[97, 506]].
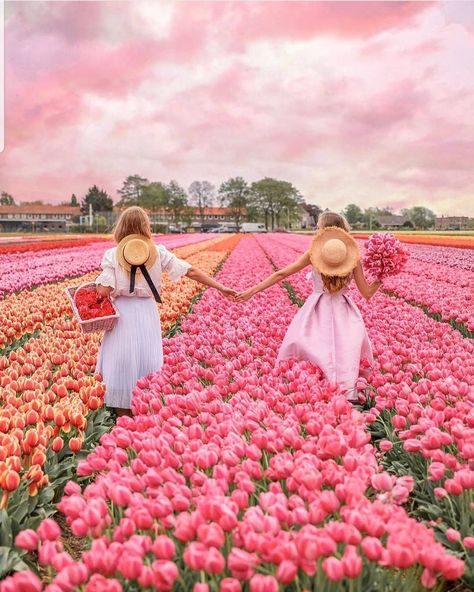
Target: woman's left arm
[[276, 277], [199, 276], [367, 290]]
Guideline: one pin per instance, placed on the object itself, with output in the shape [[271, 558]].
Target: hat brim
[[148, 263], [350, 262]]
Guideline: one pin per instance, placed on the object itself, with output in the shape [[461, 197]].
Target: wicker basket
[[91, 325]]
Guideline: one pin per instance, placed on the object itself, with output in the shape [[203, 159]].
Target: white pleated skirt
[[131, 350]]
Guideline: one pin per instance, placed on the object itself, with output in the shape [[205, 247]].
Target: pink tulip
[[24, 581], [164, 548], [351, 562], [333, 569], [166, 573], [382, 482], [229, 585], [372, 548], [385, 445], [130, 566], [211, 535], [453, 535], [214, 561], [120, 495], [195, 556], [27, 539], [261, 583], [286, 572], [49, 530]]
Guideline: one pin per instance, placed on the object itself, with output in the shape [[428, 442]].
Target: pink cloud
[[370, 98], [304, 20], [57, 98]]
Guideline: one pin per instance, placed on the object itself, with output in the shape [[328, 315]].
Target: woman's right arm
[[103, 291], [367, 290], [105, 282], [276, 277]]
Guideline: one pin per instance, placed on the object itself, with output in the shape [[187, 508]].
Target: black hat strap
[[149, 281]]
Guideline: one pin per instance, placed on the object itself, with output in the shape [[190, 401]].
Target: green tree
[[421, 217], [153, 199], [353, 214], [154, 196], [235, 194], [272, 198], [73, 201], [99, 199], [202, 196], [6, 199], [176, 200], [132, 191]]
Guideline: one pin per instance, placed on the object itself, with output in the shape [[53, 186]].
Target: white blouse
[[116, 277]]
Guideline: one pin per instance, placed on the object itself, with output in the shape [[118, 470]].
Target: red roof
[[38, 209], [214, 211]]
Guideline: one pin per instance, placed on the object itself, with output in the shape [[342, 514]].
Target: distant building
[[451, 222], [393, 221], [37, 217]]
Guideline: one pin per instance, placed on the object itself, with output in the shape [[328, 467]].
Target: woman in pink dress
[[328, 330]]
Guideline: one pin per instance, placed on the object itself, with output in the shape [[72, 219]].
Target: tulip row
[[21, 271], [50, 402], [432, 240], [27, 311], [445, 291], [458, 258], [33, 246], [234, 473], [423, 378]]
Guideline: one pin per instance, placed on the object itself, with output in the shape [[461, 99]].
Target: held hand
[[244, 296], [228, 293]]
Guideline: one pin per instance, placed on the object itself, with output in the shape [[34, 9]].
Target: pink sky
[[359, 102]]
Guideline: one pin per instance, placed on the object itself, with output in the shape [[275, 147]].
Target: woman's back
[[319, 286]]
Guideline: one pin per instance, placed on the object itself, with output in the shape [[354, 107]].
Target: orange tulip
[[38, 458], [57, 444], [75, 444], [9, 480]]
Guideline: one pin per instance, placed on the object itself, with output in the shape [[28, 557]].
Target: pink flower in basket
[[92, 313]]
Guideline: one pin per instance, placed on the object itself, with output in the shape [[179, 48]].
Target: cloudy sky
[[371, 103]]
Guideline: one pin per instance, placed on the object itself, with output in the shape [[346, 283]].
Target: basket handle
[[83, 285]]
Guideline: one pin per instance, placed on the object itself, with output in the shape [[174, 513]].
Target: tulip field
[[235, 474]]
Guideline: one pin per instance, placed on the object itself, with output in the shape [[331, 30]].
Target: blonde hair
[[334, 284], [133, 220]]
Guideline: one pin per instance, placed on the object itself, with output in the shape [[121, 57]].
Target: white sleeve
[[107, 277], [174, 266]]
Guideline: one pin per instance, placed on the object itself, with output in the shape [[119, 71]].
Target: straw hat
[[135, 249], [334, 252]]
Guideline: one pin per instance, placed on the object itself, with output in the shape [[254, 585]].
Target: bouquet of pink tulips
[[384, 255]]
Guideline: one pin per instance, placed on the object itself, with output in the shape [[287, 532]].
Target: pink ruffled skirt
[[329, 332]]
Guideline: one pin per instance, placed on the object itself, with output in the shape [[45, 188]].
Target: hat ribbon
[[149, 281]]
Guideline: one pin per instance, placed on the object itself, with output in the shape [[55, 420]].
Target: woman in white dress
[[131, 275]]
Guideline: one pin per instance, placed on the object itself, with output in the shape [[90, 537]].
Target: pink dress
[[329, 332]]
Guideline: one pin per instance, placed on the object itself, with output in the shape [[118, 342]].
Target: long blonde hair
[[334, 283], [133, 220]]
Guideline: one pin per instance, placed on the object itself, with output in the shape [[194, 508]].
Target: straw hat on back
[[135, 250], [334, 252]]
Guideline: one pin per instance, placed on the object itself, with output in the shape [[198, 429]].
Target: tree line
[[269, 200], [417, 217]]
